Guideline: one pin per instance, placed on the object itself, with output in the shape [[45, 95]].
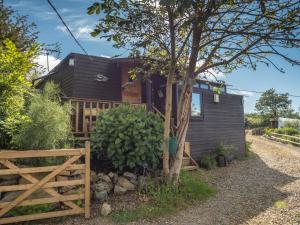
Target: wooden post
[[149, 94], [76, 116], [87, 180]]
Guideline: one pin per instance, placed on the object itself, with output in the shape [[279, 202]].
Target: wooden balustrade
[[86, 111]]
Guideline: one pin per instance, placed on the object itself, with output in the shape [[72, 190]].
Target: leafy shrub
[[248, 148], [209, 161], [287, 130], [292, 124], [255, 121], [48, 124], [129, 136], [225, 150], [268, 131]]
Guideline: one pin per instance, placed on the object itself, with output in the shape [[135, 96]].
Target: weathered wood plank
[[39, 169], [47, 200], [41, 153], [33, 180], [87, 180], [21, 187], [17, 219], [38, 185]]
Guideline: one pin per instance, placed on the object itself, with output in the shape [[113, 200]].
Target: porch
[[86, 111]]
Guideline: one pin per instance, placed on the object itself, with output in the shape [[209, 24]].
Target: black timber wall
[[222, 122], [63, 75], [85, 84]]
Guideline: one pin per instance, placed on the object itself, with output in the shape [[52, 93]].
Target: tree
[[273, 105], [189, 38], [14, 86], [17, 29]]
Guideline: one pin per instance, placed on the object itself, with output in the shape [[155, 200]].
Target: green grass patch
[[166, 199]]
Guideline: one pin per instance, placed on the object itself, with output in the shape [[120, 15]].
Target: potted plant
[[208, 161], [221, 155], [229, 149], [224, 154]]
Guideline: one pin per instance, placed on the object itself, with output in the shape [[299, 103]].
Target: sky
[[51, 31]]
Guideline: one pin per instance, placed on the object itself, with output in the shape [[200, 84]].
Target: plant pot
[[229, 159], [221, 161]]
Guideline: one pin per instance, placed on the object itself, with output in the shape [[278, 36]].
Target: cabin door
[[131, 89]]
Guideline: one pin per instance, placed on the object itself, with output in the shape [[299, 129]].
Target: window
[[196, 85], [196, 109], [204, 86]]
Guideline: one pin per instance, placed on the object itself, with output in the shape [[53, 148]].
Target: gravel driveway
[[264, 189]]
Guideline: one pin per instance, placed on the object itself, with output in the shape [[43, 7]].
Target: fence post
[[87, 180]]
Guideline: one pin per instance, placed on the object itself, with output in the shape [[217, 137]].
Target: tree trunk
[[182, 123], [167, 123]]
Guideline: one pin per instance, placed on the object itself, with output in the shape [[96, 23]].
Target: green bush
[[209, 161], [48, 124], [255, 121], [292, 124], [248, 148], [268, 131], [287, 130], [129, 136], [225, 150]]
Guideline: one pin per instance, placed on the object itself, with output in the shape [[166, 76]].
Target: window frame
[[201, 116]]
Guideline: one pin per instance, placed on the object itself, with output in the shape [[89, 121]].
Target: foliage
[[225, 150], [14, 87], [292, 124], [254, 120], [33, 209], [287, 130], [273, 105], [209, 161], [130, 136], [167, 199], [48, 125], [284, 130], [17, 29], [248, 148]]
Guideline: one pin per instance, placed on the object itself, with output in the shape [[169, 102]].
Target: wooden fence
[[286, 138], [46, 183]]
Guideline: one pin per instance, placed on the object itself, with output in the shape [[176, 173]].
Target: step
[[189, 168], [186, 161]]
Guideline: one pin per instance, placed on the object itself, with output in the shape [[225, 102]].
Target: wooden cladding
[[47, 183], [86, 111]]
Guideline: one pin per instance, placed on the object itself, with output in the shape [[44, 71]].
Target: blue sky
[[74, 12]]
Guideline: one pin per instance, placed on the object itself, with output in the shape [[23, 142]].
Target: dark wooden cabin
[[94, 84]]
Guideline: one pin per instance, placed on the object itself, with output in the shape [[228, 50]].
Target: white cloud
[[210, 74], [244, 93], [42, 61], [62, 29], [105, 56]]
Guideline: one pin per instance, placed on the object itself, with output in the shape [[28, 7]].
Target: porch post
[[149, 94]]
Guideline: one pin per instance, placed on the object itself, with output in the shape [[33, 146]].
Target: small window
[[204, 86], [196, 110], [196, 85]]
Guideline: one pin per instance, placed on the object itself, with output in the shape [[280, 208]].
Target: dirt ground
[[264, 189]]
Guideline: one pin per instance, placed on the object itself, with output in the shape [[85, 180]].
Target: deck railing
[[86, 111]]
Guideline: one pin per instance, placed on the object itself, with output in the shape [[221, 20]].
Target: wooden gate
[[47, 184]]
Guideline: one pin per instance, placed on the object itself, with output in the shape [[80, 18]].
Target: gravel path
[[264, 189]]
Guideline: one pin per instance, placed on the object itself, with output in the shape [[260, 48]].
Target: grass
[[166, 199]]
